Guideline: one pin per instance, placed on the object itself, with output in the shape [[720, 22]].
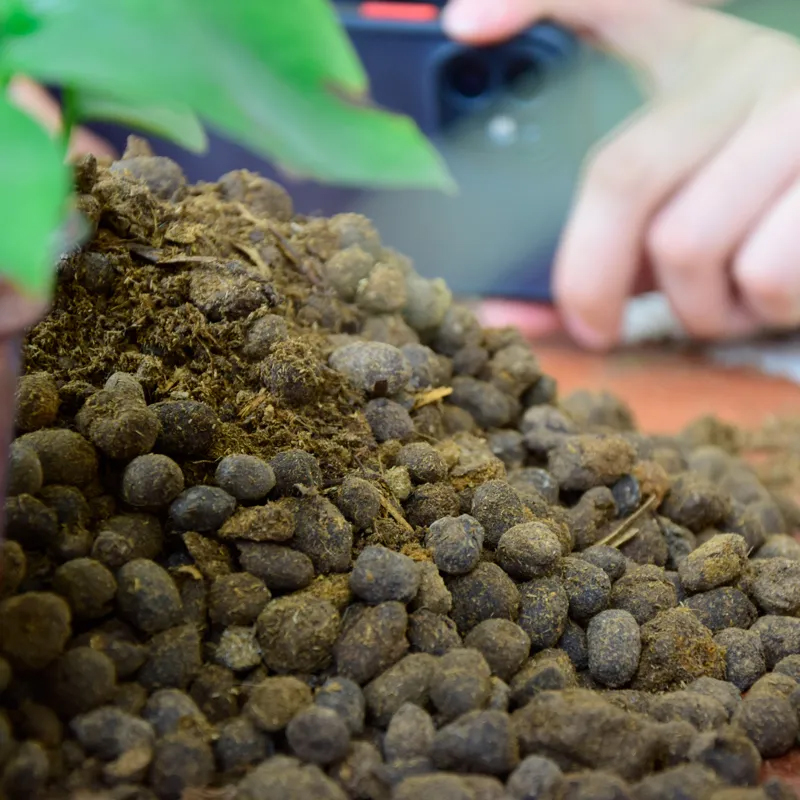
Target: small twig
[[304, 266], [624, 537], [251, 405], [184, 259], [359, 462], [253, 255], [286, 248], [247, 214], [617, 538], [284, 245], [396, 515]]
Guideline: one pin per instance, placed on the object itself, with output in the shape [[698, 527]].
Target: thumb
[[657, 36]]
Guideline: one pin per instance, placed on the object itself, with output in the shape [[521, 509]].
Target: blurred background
[[514, 123]]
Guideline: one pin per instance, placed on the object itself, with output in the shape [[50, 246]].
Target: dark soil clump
[[284, 521]]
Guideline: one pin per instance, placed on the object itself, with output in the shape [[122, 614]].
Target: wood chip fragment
[[152, 255], [190, 570], [432, 396]]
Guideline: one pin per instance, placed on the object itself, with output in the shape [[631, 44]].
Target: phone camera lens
[[468, 76], [524, 76]]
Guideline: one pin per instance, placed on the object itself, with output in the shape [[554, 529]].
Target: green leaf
[[178, 125], [255, 70], [317, 135], [15, 19], [33, 190], [303, 39]]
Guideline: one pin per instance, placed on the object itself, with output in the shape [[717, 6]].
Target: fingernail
[[587, 335], [468, 18]]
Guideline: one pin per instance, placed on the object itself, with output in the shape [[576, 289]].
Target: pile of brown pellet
[[285, 523]]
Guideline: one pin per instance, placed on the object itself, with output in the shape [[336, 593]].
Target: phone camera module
[[523, 76], [468, 76]]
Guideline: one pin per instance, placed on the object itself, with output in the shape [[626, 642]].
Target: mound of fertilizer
[[286, 523]]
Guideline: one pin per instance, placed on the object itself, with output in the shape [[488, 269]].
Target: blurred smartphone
[[515, 122]]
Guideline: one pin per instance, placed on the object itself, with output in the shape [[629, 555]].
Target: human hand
[[699, 193], [31, 97]]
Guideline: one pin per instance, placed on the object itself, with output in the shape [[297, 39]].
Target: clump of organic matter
[[284, 521]]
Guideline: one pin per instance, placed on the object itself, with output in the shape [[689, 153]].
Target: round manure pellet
[[245, 477], [380, 574], [152, 481], [202, 508], [456, 543], [147, 596], [529, 550], [503, 643], [318, 735], [374, 367], [345, 698], [770, 722], [34, 628], [544, 609], [614, 644]]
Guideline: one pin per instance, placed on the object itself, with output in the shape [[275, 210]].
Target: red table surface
[[667, 389]]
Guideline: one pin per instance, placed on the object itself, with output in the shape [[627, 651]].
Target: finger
[[694, 238], [39, 103], [35, 100], [767, 268], [492, 20], [670, 41], [625, 26], [603, 247], [84, 141], [479, 22], [18, 312], [533, 319]]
